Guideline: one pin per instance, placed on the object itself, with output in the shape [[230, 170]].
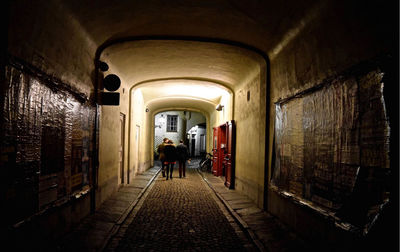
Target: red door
[[221, 150], [219, 137], [224, 152], [215, 151], [229, 157]]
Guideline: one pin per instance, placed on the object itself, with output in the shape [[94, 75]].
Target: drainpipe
[[95, 160]]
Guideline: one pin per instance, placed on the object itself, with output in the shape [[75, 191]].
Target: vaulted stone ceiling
[[181, 69], [156, 60], [191, 51], [255, 22]]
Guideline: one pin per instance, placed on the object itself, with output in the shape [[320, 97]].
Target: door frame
[[137, 145], [122, 119], [224, 145]]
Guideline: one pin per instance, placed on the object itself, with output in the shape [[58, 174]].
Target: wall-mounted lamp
[[219, 107], [103, 66], [110, 83]]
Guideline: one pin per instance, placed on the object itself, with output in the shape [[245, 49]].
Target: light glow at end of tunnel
[[204, 91]]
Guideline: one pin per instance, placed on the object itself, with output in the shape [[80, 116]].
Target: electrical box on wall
[[110, 83], [109, 98]]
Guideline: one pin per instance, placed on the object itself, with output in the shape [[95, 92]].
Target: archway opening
[[176, 125]]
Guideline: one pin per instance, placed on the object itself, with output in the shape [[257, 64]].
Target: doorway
[[224, 152], [193, 146], [136, 157], [122, 148]]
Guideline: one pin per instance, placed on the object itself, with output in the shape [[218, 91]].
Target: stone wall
[[328, 118], [46, 152], [333, 143]]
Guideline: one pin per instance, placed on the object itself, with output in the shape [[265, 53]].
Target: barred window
[[172, 123]]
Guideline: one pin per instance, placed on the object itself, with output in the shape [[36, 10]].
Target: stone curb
[[123, 217], [245, 227]]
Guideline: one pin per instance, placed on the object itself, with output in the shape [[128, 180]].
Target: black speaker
[[111, 82]]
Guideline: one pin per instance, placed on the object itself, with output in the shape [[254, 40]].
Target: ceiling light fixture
[[219, 107]]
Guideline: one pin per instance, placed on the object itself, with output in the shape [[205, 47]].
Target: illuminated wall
[[250, 112]]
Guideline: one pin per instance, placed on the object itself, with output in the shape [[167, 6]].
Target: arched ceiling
[[168, 70], [257, 24], [201, 90], [147, 60], [180, 103], [254, 22]]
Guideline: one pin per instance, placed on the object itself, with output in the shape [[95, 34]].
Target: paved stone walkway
[[267, 231], [94, 231], [180, 215]]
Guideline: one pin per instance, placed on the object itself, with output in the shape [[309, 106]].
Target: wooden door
[[215, 151], [221, 150], [136, 157], [121, 148], [229, 156]]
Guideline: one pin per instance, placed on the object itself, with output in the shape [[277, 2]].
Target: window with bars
[[172, 123]]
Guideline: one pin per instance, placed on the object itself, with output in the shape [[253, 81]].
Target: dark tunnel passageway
[[299, 108]]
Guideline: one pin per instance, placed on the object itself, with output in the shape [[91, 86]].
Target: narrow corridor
[[295, 104], [180, 215]]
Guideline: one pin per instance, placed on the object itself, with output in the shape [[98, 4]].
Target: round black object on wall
[[111, 82], [103, 66]]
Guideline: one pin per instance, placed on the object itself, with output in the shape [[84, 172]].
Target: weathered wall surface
[[334, 122], [46, 35], [46, 153], [249, 107], [49, 119]]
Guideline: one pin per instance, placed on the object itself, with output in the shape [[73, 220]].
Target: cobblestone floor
[[180, 215]]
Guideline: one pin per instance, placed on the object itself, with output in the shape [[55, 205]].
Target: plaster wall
[[226, 114], [140, 135], [213, 123], [148, 138], [220, 117], [195, 118], [137, 123], [250, 112], [109, 175]]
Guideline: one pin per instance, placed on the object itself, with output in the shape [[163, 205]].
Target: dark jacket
[[170, 153], [160, 150], [182, 152]]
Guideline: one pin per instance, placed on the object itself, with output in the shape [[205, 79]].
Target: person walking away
[[170, 157], [182, 154], [160, 150]]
